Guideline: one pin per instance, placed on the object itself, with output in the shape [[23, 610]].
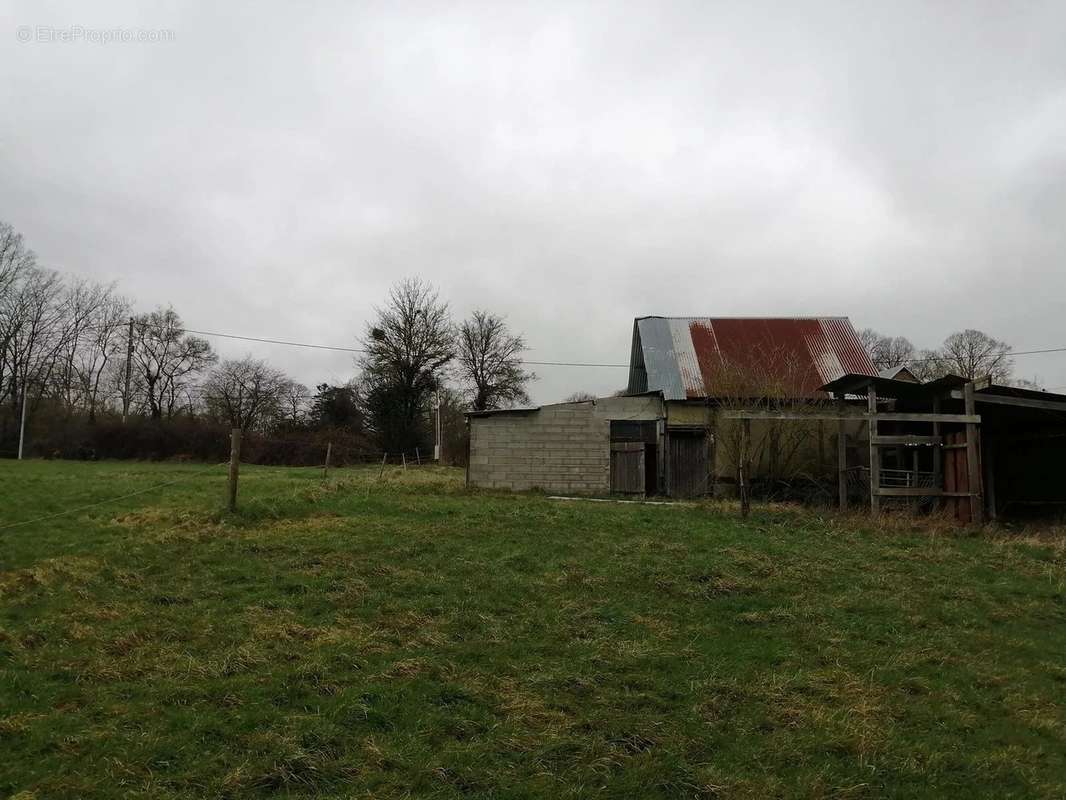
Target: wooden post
[[418, 457], [988, 456], [384, 458], [842, 459], [938, 455], [973, 471], [22, 424], [745, 468], [329, 452], [403, 457], [129, 373], [875, 454], [234, 466]]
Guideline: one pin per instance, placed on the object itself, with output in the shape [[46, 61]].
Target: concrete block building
[[665, 437]]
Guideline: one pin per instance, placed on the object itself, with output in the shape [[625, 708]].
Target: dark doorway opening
[[634, 435]]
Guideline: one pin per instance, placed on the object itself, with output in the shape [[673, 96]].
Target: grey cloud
[[273, 169]]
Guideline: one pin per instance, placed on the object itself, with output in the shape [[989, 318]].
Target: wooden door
[[627, 468], [687, 467], [956, 476]]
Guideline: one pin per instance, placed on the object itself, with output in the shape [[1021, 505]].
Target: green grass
[[357, 638]]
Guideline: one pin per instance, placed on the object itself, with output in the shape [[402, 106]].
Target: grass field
[[407, 638]]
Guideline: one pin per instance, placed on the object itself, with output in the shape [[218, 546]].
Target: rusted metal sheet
[[688, 357]]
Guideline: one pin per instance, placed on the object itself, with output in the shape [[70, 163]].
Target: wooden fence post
[[418, 458], [842, 458], [745, 468], [973, 469], [403, 456], [329, 452], [384, 458], [875, 453], [234, 466]]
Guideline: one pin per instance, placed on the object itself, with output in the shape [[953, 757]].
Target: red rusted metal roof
[[692, 357]]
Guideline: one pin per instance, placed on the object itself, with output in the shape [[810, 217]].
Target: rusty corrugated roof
[[694, 357]]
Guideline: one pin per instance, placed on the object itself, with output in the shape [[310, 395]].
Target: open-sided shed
[[980, 449]]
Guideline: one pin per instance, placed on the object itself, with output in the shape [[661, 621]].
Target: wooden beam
[[875, 455], [787, 415], [1022, 402], [883, 417], [972, 419], [973, 471], [883, 441], [910, 491]]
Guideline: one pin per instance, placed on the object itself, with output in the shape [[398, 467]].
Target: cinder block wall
[[558, 448]]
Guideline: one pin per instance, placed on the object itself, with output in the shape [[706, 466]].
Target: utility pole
[[22, 425], [129, 372], [438, 448]]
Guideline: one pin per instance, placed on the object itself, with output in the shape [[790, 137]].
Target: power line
[[338, 348], [361, 350], [1010, 354]]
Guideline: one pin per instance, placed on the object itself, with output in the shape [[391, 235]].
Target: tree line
[[969, 353], [74, 355]]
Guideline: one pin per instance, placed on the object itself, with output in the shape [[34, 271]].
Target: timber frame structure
[[943, 449]]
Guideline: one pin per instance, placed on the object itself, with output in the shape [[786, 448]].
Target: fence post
[[745, 468], [418, 457], [234, 466], [875, 453], [842, 457], [384, 458], [22, 425], [973, 468], [329, 451], [403, 456]]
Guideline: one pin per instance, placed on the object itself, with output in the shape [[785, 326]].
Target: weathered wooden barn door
[[957, 488], [627, 468], [687, 463]]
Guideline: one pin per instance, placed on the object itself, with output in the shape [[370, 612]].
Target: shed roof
[[696, 357]]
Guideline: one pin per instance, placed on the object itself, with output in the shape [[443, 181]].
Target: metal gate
[[627, 468]]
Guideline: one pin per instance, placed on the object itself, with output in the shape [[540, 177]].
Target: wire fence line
[[97, 504], [367, 457]]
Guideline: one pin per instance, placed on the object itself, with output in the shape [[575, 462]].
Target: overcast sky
[[272, 168]]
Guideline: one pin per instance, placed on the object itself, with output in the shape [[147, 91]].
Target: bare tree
[[886, 351], [489, 362], [407, 349], [15, 258], [16, 262], [579, 397], [34, 317], [101, 348], [770, 379], [975, 354], [92, 316], [928, 365], [166, 358], [246, 391], [294, 396]]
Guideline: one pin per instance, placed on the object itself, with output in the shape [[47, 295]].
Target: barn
[[665, 437], [793, 407]]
